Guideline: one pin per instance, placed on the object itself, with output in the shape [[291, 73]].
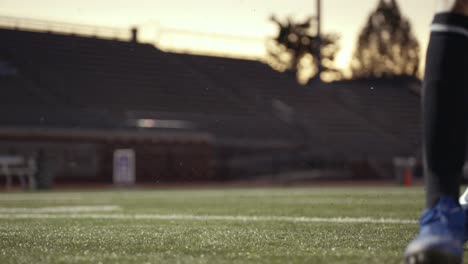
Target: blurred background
[[195, 92]]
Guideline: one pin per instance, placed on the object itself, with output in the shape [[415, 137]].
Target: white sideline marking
[[4, 198], [62, 209], [365, 220]]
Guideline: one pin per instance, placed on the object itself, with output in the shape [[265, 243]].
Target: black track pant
[[445, 106]]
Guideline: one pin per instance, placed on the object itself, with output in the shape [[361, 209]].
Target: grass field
[[262, 225]]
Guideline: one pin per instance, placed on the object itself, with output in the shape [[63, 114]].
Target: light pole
[[319, 38]]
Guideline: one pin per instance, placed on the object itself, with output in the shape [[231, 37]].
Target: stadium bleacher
[[71, 81]]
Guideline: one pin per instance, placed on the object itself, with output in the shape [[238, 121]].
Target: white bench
[[20, 167]]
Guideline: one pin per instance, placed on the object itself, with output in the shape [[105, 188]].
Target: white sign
[[124, 167]]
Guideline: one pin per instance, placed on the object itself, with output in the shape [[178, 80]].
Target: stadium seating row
[[98, 82]]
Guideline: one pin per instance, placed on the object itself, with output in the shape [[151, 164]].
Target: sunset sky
[[180, 23]]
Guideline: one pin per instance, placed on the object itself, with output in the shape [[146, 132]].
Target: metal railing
[[167, 39], [61, 27], [213, 44]]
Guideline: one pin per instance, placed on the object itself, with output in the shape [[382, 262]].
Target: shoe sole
[[432, 257]]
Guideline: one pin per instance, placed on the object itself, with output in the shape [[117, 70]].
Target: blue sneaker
[[441, 235], [464, 204]]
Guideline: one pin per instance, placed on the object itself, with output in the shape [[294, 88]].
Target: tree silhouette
[[295, 50], [386, 46]]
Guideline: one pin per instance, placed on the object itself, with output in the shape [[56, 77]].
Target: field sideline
[[253, 225]]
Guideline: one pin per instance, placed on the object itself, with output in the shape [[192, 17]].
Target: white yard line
[[364, 220], [23, 198], [61, 209]]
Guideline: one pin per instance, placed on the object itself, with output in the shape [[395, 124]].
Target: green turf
[[69, 240]]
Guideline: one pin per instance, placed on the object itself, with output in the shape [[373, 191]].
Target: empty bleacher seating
[[97, 82]]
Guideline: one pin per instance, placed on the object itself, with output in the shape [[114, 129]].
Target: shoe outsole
[[432, 257]]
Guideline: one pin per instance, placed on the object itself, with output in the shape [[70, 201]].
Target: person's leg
[[452, 6], [445, 104], [445, 117]]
